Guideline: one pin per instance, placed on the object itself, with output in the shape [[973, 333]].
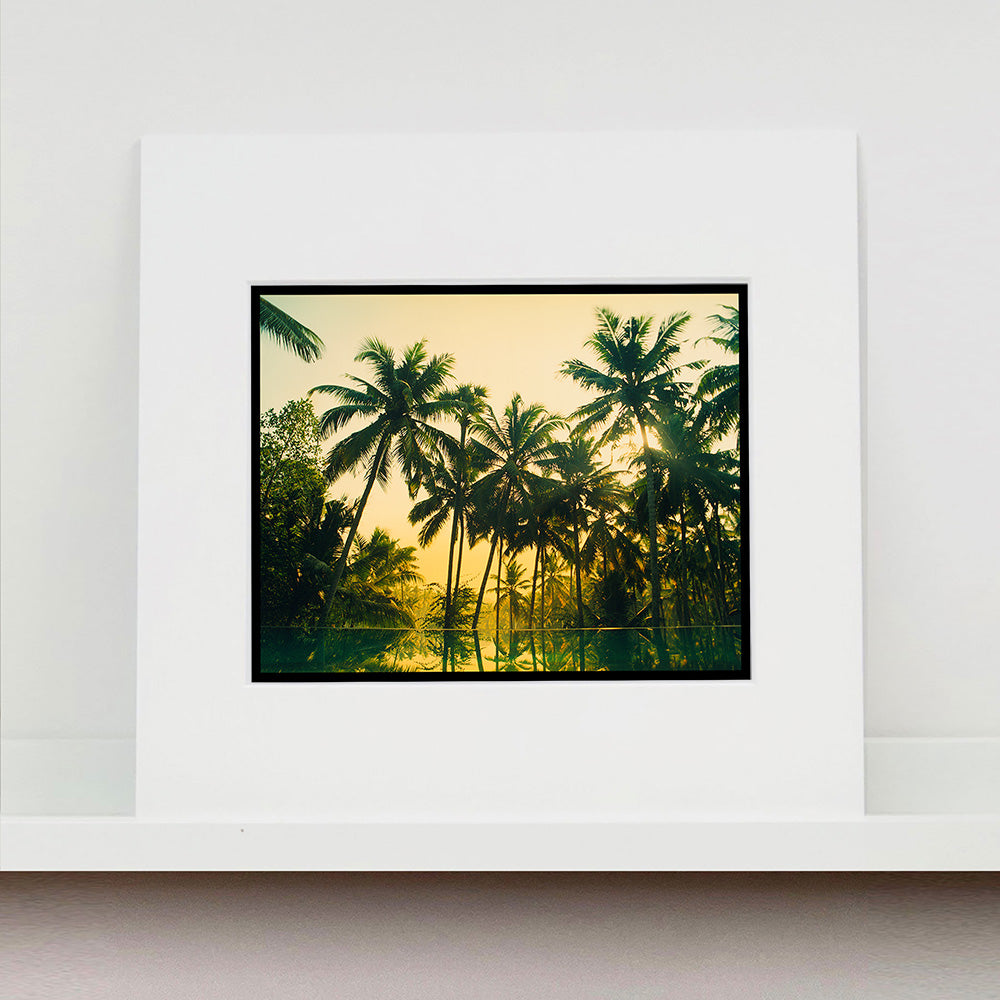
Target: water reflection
[[517, 651]]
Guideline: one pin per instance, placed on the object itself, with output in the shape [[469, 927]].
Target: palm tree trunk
[[499, 568], [541, 608], [451, 558], [448, 596], [576, 559], [458, 561], [719, 563], [489, 562], [685, 615], [654, 555], [542, 603], [342, 561], [707, 597], [486, 576], [534, 580]]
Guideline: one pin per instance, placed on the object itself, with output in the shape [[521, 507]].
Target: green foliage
[[373, 588], [613, 603], [400, 402], [632, 372], [289, 332], [464, 605], [293, 517], [512, 592], [289, 450], [719, 388]]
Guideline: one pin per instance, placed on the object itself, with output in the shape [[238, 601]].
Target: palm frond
[[354, 450], [289, 332], [336, 417], [433, 524]]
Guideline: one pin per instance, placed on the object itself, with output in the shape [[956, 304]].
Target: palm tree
[[719, 387], [612, 538], [381, 563], [514, 582], [632, 374], [553, 589], [468, 402], [447, 491], [380, 566], [320, 542], [442, 488], [288, 332], [539, 530], [375, 580], [509, 448], [585, 489], [400, 401], [696, 479]]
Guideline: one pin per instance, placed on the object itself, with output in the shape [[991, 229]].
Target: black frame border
[[740, 288]]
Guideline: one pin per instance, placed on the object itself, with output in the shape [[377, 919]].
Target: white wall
[[84, 81]]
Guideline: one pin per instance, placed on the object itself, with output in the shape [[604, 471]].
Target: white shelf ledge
[[915, 843]]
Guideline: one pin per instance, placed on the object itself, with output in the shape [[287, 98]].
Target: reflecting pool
[[368, 651]]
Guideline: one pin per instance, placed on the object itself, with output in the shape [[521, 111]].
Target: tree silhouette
[[585, 489], [467, 403], [631, 375], [696, 480], [514, 583], [400, 401], [509, 448]]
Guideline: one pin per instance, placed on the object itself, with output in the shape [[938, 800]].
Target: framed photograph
[[517, 482], [540, 268]]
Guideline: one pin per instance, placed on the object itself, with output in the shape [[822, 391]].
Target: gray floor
[[540, 935]]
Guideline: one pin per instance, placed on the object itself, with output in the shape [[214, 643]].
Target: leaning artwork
[[504, 483]]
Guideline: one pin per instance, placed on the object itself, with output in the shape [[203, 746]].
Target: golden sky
[[509, 343]]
